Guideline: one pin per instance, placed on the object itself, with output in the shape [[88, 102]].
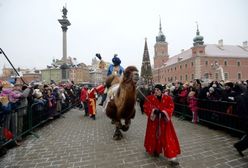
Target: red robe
[[92, 102], [160, 133]]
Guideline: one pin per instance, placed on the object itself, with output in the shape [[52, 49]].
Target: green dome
[[198, 38], [160, 37]]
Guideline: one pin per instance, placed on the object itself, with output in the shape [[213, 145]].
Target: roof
[[212, 50]]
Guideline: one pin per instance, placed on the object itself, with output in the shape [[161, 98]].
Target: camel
[[121, 99]]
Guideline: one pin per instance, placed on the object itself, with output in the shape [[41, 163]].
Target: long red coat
[[92, 102], [160, 133]]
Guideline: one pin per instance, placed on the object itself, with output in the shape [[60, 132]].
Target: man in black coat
[[242, 110]]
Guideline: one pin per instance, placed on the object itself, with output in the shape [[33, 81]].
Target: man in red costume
[[92, 103], [160, 134], [84, 99]]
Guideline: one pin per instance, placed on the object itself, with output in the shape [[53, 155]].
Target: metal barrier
[[36, 114], [218, 113]]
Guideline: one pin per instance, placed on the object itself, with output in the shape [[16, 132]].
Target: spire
[[198, 39], [160, 27], [197, 31], [161, 36], [146, 69], [146, 48]]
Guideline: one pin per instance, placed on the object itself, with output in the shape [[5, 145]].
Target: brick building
[[201, 61], [27, 75]]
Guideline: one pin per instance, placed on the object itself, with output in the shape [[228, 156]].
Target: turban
[[116, 61]]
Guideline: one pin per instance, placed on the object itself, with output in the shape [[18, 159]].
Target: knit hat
[[160, 87], [116, 61]]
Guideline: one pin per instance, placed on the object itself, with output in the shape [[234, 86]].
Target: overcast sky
[[31, 36]]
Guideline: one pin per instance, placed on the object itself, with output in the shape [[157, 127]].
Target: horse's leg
[[126, 126], [117, 135]]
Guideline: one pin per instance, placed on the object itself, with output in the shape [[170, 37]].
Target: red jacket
[[84, 94], [160, 134]]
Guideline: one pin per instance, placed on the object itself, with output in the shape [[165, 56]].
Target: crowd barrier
[[216, 113], [14, 124]]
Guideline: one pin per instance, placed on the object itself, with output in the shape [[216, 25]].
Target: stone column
[[64, 24]]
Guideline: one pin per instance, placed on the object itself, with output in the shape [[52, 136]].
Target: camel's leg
[[126, 126], [118, 135]]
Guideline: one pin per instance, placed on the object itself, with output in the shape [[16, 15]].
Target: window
[[225, 63], [239, 76], [175, 78], [180, 66], [175, 68], [226, 76], [181, 78], [192, 63], [186, 65], [192, 77], [206, 63], [186, 77], [238, 63]]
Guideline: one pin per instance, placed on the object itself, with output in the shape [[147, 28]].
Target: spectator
[[242, 110]]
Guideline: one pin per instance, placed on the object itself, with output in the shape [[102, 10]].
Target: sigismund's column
[[64, 23], [64, 67]]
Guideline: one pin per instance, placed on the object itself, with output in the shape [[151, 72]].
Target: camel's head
[[131, 73]]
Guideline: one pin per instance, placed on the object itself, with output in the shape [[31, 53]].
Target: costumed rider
[[160, 133], [113, 69], [116, 67]]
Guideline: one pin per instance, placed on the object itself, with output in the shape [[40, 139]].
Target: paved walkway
[[77, 141]]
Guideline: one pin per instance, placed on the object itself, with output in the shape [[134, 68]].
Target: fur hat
[[159, 86], [116, 61]]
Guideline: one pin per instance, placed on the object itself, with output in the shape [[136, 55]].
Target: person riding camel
[[114, 69]]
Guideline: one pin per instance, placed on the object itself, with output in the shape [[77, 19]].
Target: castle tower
[[198, 50], [160, 49], [146, 69]]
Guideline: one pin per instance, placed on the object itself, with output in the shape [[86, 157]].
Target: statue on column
[[64, 10]]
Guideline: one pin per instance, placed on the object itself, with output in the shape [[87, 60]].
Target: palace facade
[[201, 61]]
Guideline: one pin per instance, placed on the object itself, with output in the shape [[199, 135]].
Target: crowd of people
[[40, 101]]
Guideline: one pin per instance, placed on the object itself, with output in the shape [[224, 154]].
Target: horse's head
[[131, 73]]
